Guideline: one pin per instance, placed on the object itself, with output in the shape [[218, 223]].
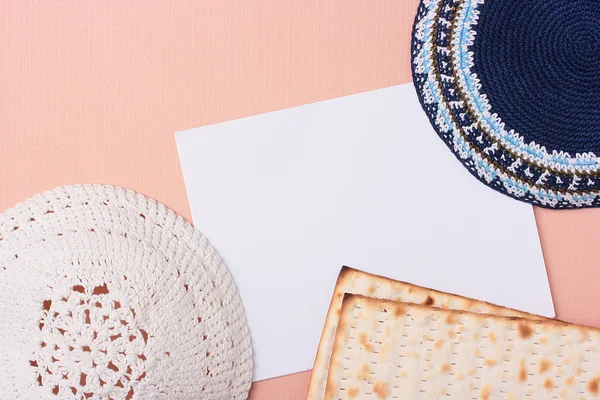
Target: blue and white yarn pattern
[[492, 80]]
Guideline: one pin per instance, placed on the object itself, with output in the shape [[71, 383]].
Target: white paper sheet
[[290, 196]]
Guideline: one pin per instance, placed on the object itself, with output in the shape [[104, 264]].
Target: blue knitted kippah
[[513, 88]]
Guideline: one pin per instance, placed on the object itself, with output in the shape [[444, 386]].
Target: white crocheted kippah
[[106, 294]]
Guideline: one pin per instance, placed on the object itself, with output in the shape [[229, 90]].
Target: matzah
[[359, 282], [391, 350]]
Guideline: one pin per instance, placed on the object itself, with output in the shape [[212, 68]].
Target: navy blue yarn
[[539, 64], [501, 158]]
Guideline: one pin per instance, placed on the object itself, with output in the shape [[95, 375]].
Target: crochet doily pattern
[[512, 88], [107, 294]]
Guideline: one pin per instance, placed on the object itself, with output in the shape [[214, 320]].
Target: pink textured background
[[92, 92]]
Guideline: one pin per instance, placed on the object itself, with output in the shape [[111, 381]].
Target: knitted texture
[[106, 294], [512, 88]]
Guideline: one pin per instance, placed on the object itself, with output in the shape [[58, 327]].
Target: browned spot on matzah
[[548, 384], [451, 333], [489, 362], [522, 371], [371, 289], [438, 343], [385, 350], [450, 318], [363, 374], [525, 330], [445, 368], [570, 380], [593, 385], [460, 376], [352, 392], [381, 389], [492, 337], [543, 340], [364, 341], [485, 392], [399, 310], [429, 301], [578, 370], [545, 365]]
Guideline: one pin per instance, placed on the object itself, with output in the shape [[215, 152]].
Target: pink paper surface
[[93, 92]]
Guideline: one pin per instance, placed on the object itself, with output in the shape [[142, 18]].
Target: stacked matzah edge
[[374, 287]]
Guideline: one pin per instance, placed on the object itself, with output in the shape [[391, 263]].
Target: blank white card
[[289, 197]]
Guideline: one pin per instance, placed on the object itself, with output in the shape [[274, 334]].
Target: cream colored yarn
[[106, 294]]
